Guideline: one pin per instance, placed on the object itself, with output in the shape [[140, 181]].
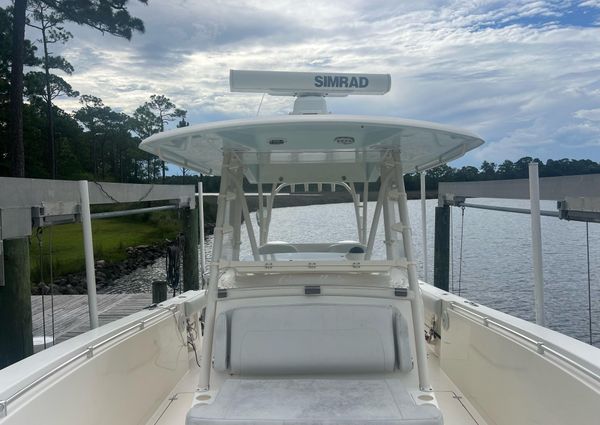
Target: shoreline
[[107, 272]]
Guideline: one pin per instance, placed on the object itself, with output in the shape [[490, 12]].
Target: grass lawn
[[111, 238]]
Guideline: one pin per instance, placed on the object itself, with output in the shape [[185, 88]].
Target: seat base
[[313, 401]]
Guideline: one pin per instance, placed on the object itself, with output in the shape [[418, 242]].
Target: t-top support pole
[[424, 225], [88, 247], [201, 229], [376, 215], [212, 291], [260, 218], [417, 303], [365, 207], [355, 200], [536, 242]]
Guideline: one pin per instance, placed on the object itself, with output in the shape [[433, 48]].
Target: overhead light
[[344, 140]]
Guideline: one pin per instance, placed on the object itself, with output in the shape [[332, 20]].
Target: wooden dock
[[71, 316]]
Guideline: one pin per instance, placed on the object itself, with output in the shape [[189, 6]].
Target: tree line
[[503, 171], [37, 138], [445, 173], [95, 142]]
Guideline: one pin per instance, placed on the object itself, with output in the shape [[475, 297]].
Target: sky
[[524, 75]]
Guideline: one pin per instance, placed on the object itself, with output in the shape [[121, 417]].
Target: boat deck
[[456, 408]]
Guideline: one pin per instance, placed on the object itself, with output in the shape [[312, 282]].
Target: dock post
[[441, 253], [190, 250], [88, 248], [536, 242], [16, 336]]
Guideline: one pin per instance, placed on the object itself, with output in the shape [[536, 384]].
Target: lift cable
[[260, 104], [51, 284], [41, 285], [451, 251], [589, 280], [460, 257]]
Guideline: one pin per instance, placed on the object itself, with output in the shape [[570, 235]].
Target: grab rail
[[88, 352], [540, 346]]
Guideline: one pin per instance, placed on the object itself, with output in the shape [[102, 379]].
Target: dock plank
[[71, 314]]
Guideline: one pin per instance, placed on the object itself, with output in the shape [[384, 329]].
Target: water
[[496, 265]]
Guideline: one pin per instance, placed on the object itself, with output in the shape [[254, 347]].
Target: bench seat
[[313, 401], [311, 339]]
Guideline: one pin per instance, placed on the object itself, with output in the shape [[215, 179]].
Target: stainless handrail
[[540, 346], [87, 352]]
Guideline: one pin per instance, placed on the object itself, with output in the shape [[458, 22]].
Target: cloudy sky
[[524, 75]]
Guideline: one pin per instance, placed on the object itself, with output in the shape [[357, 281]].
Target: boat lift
[[28, 203], [577, 197]]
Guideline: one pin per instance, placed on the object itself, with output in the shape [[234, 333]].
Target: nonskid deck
[[455, 406]]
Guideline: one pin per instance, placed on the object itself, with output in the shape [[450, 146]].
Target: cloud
[[524, 75], [588, 114]]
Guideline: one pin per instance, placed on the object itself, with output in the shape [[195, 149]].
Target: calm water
[[496, 264]]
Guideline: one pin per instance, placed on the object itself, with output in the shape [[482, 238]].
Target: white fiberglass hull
[[485, 366]]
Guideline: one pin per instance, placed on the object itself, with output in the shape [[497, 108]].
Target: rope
[[109, 196], [174, 254], [451, 251], [38, 236], [460, 259], [181, 255], [260, 104], [589, 280]]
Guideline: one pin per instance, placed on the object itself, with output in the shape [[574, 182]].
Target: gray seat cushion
[[309, 339], [313, 401]]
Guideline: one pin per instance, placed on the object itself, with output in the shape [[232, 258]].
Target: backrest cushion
[[277, 247], [310, 338], [221, 343], [403, 356]]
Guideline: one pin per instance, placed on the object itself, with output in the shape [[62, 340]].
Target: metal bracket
[[50, 213], [454, 201], [15, 223], [579, 209]]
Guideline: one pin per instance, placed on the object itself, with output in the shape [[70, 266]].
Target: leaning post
[[190, 250], [441, 250]]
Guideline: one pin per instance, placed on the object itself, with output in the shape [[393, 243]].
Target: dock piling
[[441, 260], [190, 252], [159, 291], [16, 338]]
